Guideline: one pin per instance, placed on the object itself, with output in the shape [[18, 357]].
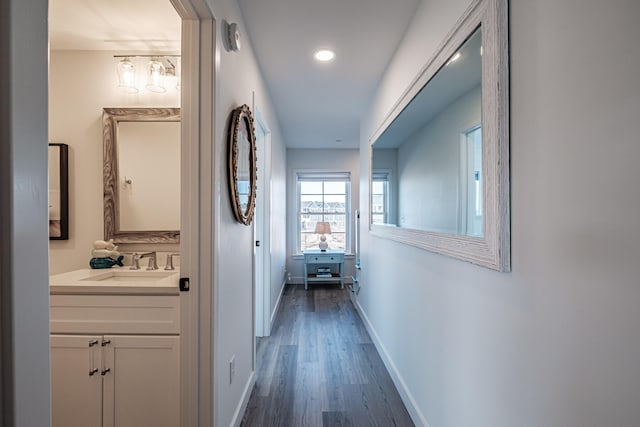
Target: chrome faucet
[[136, 257], [135, 261], [169, 265], [153, 260]]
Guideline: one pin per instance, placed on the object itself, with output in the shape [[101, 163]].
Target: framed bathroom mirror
[[440, 160], [141, 174], [242, 164]]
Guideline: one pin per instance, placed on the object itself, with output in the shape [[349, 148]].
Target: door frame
[[198, 94], [262, 232]]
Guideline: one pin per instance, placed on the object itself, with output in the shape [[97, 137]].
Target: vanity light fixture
[[324, 55], [155, 76], [127, 75], [160, 68]]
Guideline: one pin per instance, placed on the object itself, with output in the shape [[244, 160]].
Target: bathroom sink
[[129, 276], [116, 281]]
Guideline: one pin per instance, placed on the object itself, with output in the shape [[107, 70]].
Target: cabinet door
[[142, 388], [76, 384]]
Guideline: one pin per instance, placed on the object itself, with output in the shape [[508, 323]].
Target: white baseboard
[[277, 306], [406, 396], [242, 406]]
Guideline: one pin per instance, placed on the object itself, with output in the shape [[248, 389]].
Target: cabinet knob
[[93, 371], [104, 371]]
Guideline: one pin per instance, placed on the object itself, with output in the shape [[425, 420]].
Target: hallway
[[320, 368]]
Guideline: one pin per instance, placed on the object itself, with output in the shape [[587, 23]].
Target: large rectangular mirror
[[440, 161], [141, 149]]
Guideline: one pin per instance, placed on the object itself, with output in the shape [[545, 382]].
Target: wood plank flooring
[[320, 368]]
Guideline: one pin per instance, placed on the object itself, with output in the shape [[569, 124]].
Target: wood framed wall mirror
[[440, 160], [242, 164], [141, 174]]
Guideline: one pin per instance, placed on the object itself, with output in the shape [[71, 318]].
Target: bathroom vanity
[[115, 348]]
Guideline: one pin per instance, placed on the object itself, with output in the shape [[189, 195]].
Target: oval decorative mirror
[[242, 164]]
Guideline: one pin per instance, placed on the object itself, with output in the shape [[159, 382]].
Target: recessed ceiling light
[[324, 55]]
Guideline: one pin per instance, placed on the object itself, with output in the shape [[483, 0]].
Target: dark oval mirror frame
[[493, 249], [242, 116], [111, 117]]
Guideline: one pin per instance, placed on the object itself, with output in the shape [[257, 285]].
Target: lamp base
[[323, 245]]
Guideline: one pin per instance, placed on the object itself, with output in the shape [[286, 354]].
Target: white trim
[[198, 90], [263, 297], [274, 313], [242, 405], [409, 401]]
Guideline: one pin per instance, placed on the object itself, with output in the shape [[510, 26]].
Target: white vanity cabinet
[[115, 361]]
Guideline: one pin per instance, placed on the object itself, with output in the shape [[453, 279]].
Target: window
[[380, 197], [472, 192], [323, 197]]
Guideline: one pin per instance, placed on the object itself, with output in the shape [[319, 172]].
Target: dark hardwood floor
[[320, 368]]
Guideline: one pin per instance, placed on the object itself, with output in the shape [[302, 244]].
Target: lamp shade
[[323, 228]]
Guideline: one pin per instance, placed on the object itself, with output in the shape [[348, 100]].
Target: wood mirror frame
[[493, 249], [110, 119], [242, 131]]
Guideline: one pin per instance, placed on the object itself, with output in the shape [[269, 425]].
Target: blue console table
[[315, 258]]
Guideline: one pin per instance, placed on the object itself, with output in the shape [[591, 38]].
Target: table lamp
[[323, 228]]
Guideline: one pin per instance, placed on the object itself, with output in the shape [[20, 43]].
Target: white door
[[142, 387], [76, 383], [261, 279]]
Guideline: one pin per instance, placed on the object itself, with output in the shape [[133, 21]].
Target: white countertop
[[116, 281]]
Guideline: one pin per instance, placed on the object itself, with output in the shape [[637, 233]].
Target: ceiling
[[319, 105], [115, 25]]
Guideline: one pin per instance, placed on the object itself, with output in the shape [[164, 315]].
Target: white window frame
[[322, 175], [382, 175]]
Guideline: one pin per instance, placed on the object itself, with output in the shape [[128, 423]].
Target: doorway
[[196, 99], [262, 261]]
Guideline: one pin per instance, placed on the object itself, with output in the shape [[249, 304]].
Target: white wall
[[24, 296], [429, 168], [238, 82], [334, 160], [556, 342], [81, 84]]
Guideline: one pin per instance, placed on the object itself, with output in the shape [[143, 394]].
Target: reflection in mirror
[[141, 174], [427, 165], [149, 166], [439, 171], [242, 164]]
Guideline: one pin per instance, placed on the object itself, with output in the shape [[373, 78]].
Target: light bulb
[[155, 76], [127, 75]]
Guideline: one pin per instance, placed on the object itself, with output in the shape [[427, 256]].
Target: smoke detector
[[233, 37]]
